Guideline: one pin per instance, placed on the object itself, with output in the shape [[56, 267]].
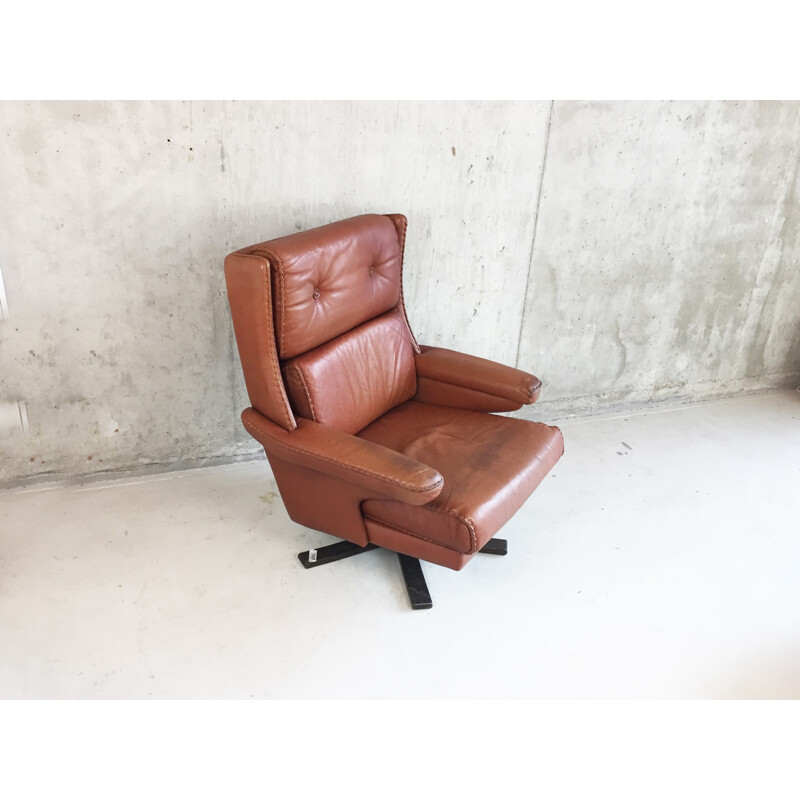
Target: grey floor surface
[[661, 559]]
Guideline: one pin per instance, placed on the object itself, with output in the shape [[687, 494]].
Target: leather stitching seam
[[491, 395], [465, 521], [271, 256], [410, 533], [305, 389], [494, 390], [283, 302], [401, 484], [271, 348], [401, 240]]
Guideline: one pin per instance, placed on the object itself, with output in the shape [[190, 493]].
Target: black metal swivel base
[[417, 589]]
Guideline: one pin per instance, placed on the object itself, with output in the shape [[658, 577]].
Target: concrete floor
[[660, 560]]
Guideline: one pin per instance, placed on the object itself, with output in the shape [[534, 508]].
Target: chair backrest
[[320, 322]]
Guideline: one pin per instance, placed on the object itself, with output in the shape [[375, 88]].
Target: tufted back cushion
[[320, 323], [328, 280]]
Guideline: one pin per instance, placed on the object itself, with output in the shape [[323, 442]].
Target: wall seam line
[[233, 359], [535, 229]]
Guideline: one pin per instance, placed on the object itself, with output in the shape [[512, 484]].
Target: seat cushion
[[490, 465]]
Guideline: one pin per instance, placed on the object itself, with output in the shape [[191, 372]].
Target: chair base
[[418, 594], [417, 588], [332, 552], [495, 547]]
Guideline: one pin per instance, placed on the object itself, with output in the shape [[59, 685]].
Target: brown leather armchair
[[372, 437]]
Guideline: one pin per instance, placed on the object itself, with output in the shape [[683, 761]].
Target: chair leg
[[332, 552], [495, 547], [416, 587]]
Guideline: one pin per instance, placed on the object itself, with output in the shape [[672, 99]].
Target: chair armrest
[[477, 375], [342, 455]]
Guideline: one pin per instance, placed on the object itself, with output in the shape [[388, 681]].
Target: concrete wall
[[667, 250], [625, 252]]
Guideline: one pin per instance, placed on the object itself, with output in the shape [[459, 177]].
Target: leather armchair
[[371, 437]]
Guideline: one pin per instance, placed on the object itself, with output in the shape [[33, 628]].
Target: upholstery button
[[316, 293], [372, 270]]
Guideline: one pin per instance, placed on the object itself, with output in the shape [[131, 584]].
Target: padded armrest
[[478, 375], [341, 455]]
